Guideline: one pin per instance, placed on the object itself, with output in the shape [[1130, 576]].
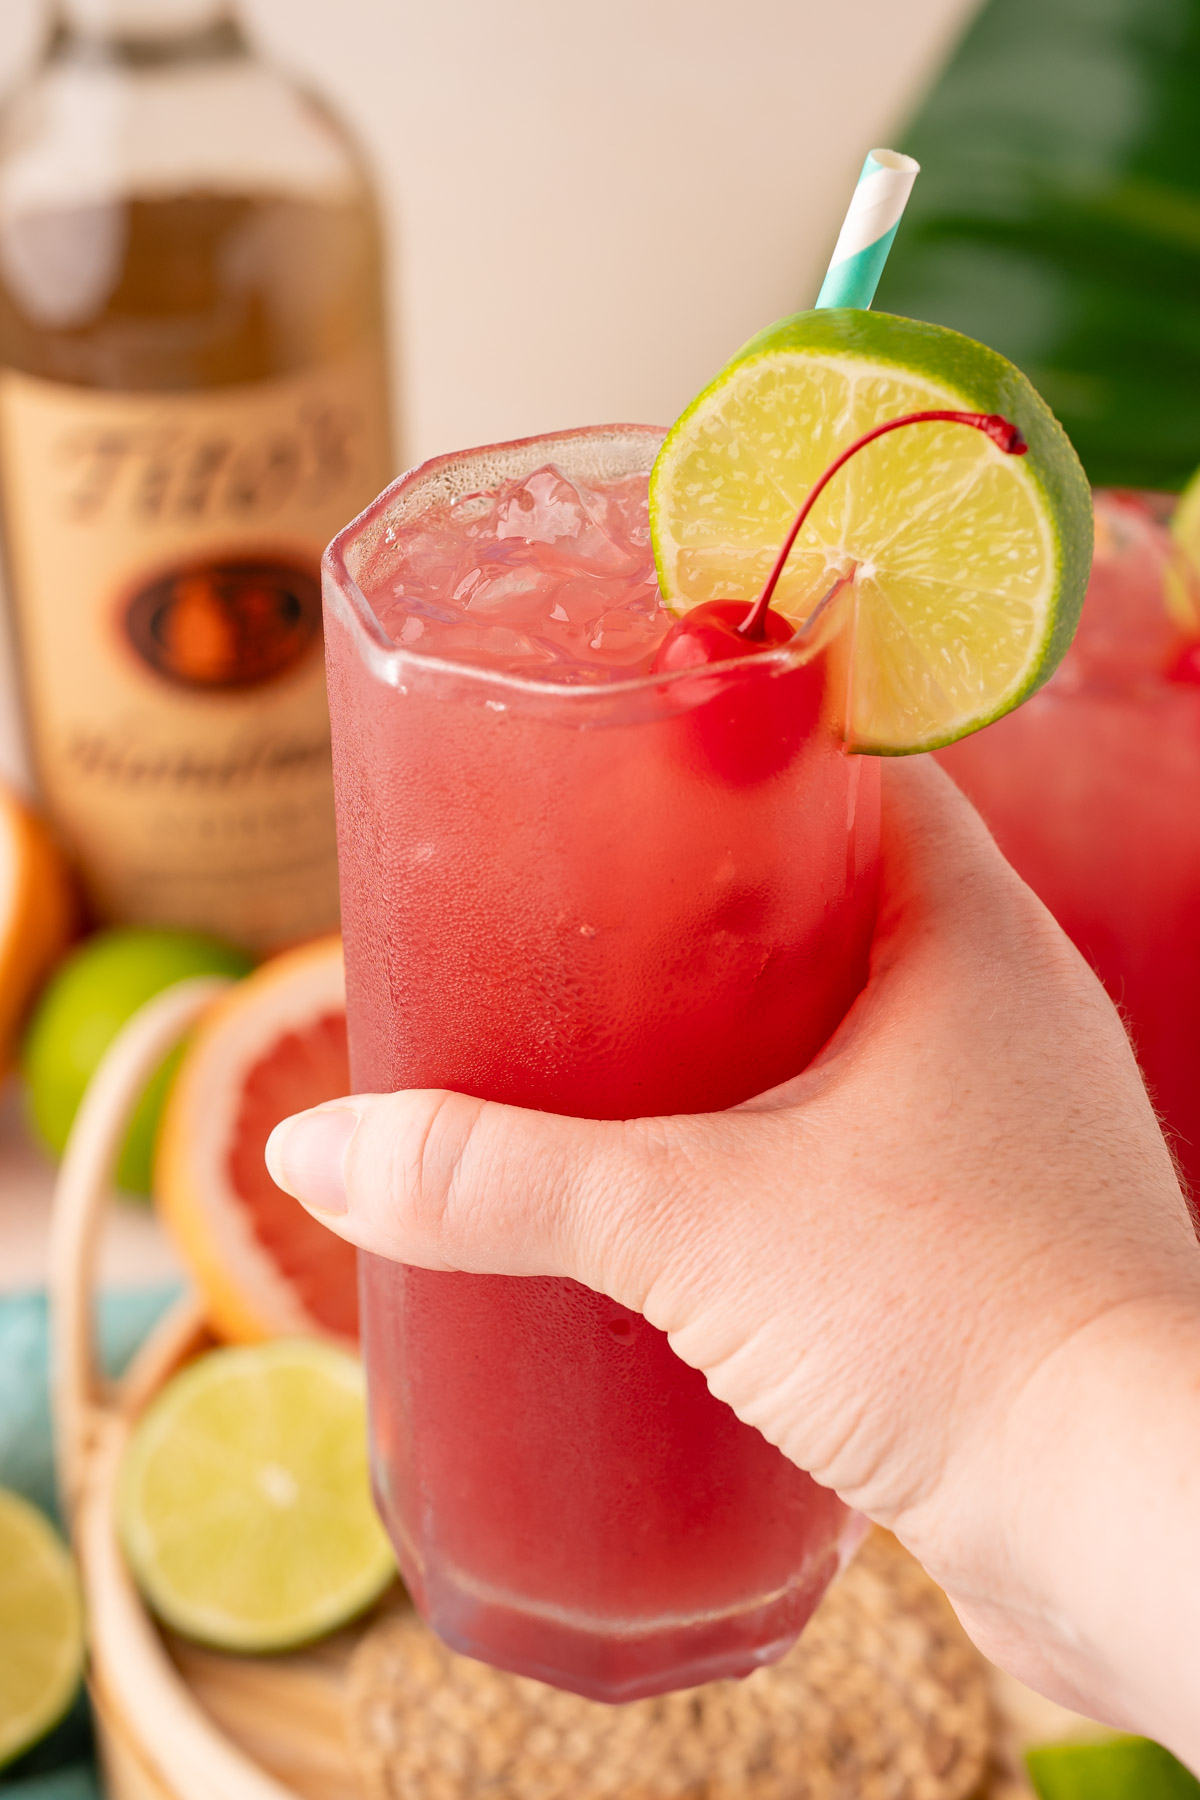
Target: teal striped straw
[[868, 229]]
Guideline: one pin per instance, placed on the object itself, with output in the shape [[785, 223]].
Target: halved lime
[[41, 1626], [969, 566], [244, 1505], [1117, 1768]]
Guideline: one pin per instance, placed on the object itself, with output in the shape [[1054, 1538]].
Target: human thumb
[[443, 1181]]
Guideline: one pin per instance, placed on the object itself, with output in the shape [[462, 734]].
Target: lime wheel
[[244, 1503], [41, 1627], [961, 568]]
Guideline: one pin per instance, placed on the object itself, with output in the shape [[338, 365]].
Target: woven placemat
[[883, 1698]]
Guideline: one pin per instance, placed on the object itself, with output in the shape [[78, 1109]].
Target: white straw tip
[[896, 161]]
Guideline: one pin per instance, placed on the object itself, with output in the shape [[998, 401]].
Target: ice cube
[[546, 577], [470, 509], [501, 589], [625, 514], [394, 611], [626, 635], [542, 509], [548, 508]]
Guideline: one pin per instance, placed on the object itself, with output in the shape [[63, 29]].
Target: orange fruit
[[37, 914], [275, 1044]]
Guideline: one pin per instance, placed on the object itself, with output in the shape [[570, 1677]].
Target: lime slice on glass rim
[[243, 1503], [41, 1627], [965, 567]]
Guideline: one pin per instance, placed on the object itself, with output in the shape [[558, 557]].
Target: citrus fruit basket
[[882, 1697]]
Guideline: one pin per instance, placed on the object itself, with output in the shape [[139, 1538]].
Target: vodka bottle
[[192, 401]]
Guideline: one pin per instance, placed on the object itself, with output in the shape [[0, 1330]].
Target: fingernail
[[306, 1156]]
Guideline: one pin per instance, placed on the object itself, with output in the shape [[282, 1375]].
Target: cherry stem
[[1003, 434]]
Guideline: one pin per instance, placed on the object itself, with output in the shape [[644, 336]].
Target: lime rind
[[1113, 1767], [41, 1627], [728, 480], [243, 1503], [88, 999]]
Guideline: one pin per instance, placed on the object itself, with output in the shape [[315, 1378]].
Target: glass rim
[[396, 664]]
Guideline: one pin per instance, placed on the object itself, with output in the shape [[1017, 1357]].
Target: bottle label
[[164, 556]]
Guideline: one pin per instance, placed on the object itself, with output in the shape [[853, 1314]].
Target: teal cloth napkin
[[26, 1457], [78, 1781], [62, 1766]]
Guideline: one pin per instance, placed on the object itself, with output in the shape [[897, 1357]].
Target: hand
[[948, 1268]]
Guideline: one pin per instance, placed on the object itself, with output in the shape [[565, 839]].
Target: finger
[[960, 932], [443, 1181], [943, 878], [956, 926], [949, 906], [651, 1212]]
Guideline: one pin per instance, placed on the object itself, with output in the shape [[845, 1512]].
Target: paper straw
[[869, 227]]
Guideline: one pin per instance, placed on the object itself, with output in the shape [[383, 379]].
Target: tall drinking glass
[[636, 897]]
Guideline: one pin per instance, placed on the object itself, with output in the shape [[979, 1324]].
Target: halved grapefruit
[[274, 1045]]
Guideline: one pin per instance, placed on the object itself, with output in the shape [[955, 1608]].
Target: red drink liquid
[[1092, 789], [572, 885]]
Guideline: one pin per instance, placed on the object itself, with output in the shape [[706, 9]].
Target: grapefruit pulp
[[274, 1045]]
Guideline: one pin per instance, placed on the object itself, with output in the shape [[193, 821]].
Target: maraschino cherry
[[1186, 665]]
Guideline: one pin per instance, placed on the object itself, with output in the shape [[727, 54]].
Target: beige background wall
[[593, 205]]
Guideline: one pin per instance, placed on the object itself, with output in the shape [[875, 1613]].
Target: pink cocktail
[[1092, 789], [573, 884]]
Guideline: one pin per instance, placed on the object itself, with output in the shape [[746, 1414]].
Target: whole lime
[[1112, 1768], [84, 1006]]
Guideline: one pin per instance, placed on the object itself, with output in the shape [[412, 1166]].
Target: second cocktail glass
[[1091, 792], [614, 898]]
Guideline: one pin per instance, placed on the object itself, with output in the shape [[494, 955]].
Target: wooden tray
[[175, 1721]]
